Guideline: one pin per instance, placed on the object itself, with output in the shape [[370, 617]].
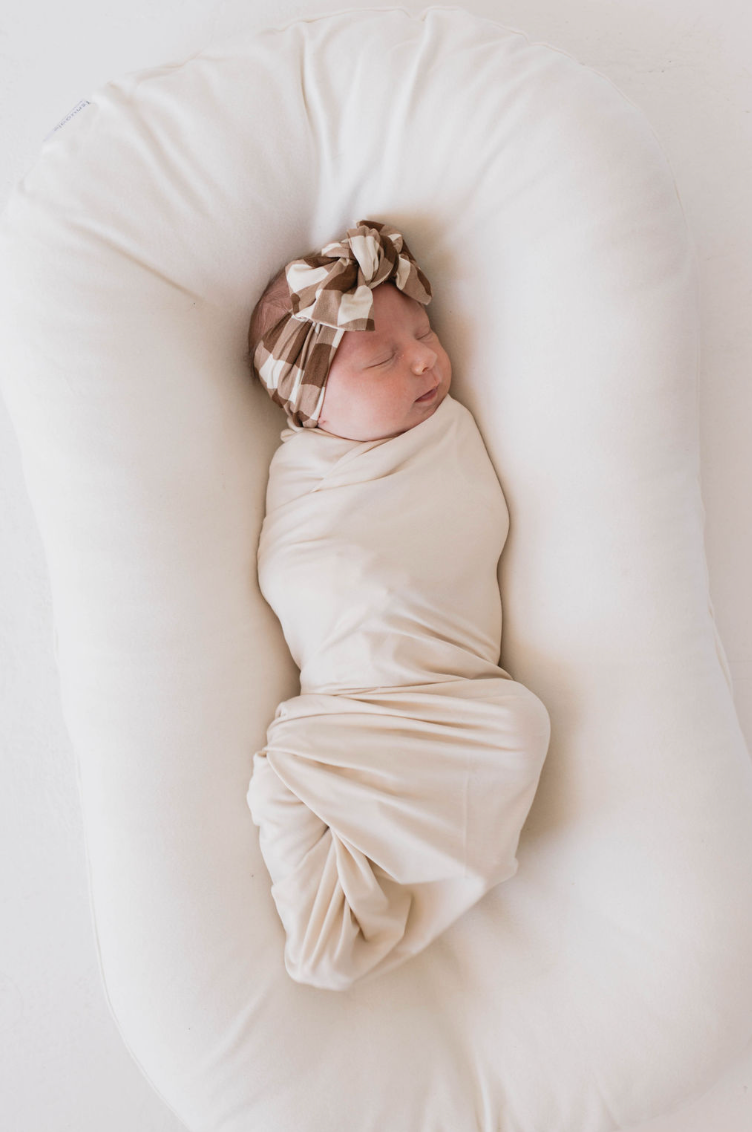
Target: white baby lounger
[[607, 980]]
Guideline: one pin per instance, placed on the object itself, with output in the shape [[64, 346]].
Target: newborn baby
[[391, 792]]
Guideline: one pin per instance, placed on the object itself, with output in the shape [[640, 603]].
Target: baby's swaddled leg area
[[288, 829], [341, 914], [382, 820], [506, 769]]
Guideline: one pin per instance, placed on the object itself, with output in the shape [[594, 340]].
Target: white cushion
[[607, 981]]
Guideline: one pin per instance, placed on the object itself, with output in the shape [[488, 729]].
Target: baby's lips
[[431, 390]]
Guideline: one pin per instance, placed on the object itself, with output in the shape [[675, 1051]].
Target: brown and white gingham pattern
[[330, 293]]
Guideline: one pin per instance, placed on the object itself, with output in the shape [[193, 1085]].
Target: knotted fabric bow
[[330, 292]]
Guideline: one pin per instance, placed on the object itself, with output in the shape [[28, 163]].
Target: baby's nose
[[424, 360]]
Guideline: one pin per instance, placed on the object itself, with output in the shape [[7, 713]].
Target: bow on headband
[[330, 292]]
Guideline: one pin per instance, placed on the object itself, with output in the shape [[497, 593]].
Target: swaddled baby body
[[391, 792]]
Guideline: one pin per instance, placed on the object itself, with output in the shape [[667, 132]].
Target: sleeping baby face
[[385, 381]]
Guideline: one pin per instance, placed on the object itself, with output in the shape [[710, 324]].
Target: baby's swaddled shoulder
[[301, 462], [292, 471], [463, 418], [473, 455]]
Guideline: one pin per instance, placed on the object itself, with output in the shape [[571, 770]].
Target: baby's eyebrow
[[389, 342]]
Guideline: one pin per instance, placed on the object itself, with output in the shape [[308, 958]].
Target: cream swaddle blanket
[[391, 792]]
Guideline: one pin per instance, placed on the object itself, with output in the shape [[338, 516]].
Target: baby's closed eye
[[384, 361]]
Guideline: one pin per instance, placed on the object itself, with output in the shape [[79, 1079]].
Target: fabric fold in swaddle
[[391, 792]]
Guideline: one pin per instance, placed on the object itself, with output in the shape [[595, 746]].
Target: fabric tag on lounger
[[79, 106]]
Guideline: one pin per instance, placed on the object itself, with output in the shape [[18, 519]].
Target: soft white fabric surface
[[391, 793], [608, 980]]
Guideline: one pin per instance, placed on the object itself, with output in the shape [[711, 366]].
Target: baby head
[[375, 368]]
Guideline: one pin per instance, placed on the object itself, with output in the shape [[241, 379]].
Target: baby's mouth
[[427, 396]]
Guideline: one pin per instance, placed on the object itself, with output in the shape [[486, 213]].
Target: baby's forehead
[[403, 311]]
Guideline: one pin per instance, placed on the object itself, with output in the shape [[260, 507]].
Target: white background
[[688, 65]]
